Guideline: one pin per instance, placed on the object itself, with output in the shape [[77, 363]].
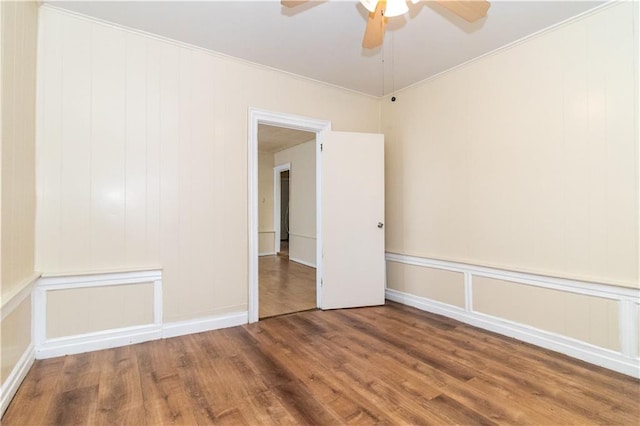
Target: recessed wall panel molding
[[82, 313], [594, 322], [97, 310]]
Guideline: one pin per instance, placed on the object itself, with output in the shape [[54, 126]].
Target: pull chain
[[383, 70]]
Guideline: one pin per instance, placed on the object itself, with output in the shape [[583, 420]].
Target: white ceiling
[[274, 139], [322, 40]]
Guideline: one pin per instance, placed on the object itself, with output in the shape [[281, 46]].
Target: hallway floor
[[285, 286]]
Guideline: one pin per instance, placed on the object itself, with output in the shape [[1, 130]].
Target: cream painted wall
[[526, 159], [18, 40], [589, 319], [302, 200], [142, 157], [98, 308], [435, 284], [15, 333], [266, 237]]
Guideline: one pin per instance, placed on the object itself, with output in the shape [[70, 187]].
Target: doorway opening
[[287, 222], [319, 127], [284, 214]]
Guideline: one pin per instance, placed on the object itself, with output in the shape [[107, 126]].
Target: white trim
[[200, 325], [302, 262], [17, 375], [39, 315], [256, 117], [606, 291], [628, 299], [468, 292], [277, 194], [131, 335], [628, 323], [266, 253], [19, 295], [99, 279], [42, 348], [319, 245], [574, 348], [97, 341], [425, 304]]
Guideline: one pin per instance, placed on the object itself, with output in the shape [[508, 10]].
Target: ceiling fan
[[380, 10]]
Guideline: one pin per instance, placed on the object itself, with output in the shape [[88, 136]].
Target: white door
[[353, 262]]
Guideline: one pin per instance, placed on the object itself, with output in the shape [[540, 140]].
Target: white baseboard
[[603, 357], [17, 375], [199, 325], [131, 335], [97, 341], [302, 262], [267, 253]]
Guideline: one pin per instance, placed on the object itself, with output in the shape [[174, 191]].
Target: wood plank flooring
[[390, 365], [285, 286]]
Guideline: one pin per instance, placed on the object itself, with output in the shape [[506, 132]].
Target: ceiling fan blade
[[292, 3], [374, 33], [469, 10]]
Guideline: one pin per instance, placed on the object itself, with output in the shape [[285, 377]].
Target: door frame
[[319, 127], [277, 194]]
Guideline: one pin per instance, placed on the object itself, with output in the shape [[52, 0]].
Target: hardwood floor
[[390, 364], [285, 286]]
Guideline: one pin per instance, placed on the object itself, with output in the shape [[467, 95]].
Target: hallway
[[285, 286]]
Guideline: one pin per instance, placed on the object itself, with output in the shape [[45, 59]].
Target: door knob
[[380, 225]]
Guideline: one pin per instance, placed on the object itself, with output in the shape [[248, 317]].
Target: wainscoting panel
[[93, 309], [436, 284], [80, 313], [68, 300], [594, 322]]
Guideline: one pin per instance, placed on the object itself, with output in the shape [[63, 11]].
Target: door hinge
[[321, 147], [321, 282]]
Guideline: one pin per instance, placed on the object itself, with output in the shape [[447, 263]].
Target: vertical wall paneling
[[526, 159], [169, 178], [19, 30], [152, 123], [108, 121], [18, 55], [185, 189], [48, 155], [520, 168], [152, 140], [136, 151], [75, 168]]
